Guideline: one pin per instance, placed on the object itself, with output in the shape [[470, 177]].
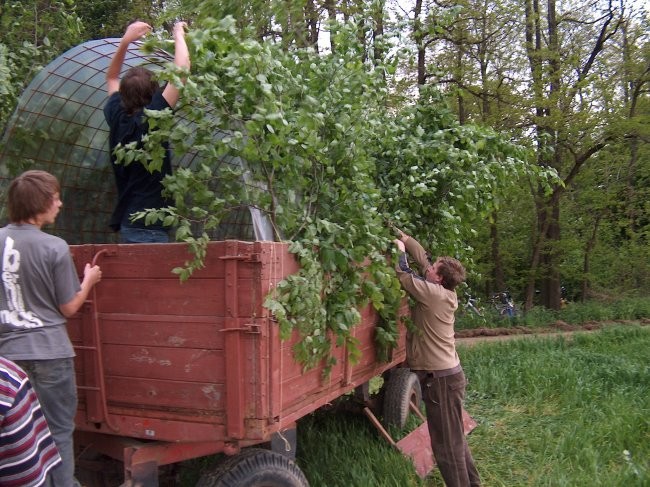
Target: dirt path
[[559, 328]]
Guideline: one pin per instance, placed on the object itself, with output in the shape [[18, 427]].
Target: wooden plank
[[196, 297], [165, 394], [152, 261], [163, 330], [161, 297], [174, 364]]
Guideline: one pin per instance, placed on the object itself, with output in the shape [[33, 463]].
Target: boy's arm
[[415, 285], [418, 253], [134, 31], [92, 275], [181, 59], [415, 250]]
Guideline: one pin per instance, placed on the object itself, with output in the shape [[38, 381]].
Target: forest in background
[[566, 81]]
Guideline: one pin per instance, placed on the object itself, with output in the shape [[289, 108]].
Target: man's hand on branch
[[135, 31], [179, 29], [402, 236]]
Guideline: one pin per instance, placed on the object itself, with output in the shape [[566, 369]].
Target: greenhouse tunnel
[[59, 127]]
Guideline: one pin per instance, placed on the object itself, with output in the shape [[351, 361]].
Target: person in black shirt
[[137, 188]]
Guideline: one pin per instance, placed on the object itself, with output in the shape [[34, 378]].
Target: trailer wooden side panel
[[201, 360]]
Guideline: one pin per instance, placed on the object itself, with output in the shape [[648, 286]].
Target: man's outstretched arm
[[134, 31], [181, 59]]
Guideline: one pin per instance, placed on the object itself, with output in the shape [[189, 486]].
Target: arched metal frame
[[59, 127]]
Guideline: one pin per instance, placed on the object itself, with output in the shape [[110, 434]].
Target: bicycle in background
[[504, 305], [471, 306]]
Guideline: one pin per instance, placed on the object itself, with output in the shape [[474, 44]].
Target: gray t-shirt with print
[[38, 275]]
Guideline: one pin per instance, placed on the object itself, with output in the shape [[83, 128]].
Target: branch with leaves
[[330, 164]]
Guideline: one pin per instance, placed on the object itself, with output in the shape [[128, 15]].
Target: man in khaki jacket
[[431, 354]]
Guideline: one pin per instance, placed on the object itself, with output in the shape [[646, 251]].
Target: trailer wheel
[[255, 467], [402, 388]]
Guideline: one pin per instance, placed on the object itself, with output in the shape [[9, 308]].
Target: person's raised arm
[[181, 59], [134, 31], [400, 245], [415, 250], [92, 275]]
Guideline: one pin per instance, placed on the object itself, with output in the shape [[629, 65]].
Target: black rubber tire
[[401, 388], [255, 467]]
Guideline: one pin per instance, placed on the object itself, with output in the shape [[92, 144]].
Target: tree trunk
[[586, 268], [331, 15], [533, 50], [498, 279], [378, 31], [462, 117], [550, 275], [418, 36], [311, 21]]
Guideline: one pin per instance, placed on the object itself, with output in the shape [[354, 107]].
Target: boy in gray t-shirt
[[40, 289], [37, 275]]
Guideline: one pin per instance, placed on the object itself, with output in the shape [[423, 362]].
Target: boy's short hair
[[451, 271], [137, 88], [31, 194]]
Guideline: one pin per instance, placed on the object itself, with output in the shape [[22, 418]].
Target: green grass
[[551, 412], [344, 449]]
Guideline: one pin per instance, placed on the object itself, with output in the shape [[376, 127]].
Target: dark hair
[[31, 194], [451, 271], [137, 88]]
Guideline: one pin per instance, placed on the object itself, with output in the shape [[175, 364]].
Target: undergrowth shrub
[[573, 313]]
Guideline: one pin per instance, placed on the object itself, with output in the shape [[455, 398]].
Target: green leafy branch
[[311, 144]]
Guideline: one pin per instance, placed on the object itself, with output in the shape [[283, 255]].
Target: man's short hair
[[137, 88], [451, 271], [31, 194]]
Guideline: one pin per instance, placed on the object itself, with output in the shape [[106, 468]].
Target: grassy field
[[551, 412]]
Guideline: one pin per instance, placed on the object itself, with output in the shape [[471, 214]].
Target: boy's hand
[[92, 274], [401, 235], [179, 29], [135, 31]]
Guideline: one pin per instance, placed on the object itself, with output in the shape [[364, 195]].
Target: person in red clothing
[[431, 354], [27, 449]]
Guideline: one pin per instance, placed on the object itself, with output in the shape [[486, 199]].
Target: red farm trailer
[[169, 370]]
